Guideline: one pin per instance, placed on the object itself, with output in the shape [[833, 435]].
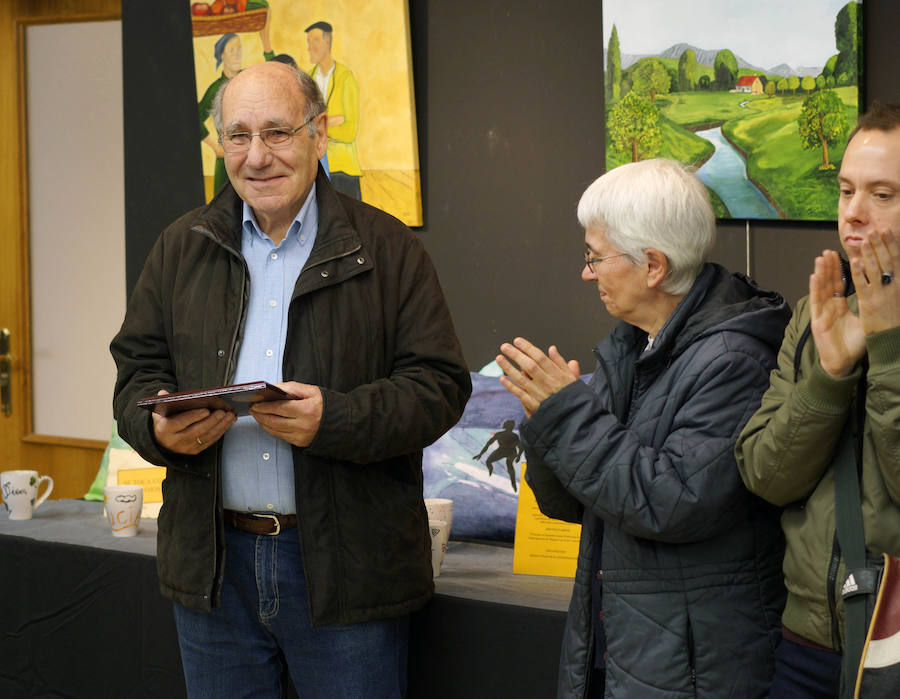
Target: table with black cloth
[[81, 615]]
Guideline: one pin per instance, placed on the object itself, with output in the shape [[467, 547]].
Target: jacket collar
[[221, 219], [336, 235]]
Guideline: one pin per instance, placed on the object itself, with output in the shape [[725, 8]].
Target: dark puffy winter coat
[[643, 456]]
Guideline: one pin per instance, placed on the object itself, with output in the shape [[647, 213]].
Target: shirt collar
[[252, 231]]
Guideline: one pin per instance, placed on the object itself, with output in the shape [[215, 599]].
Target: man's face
[[318, 44], [274, 183], [870, 188], [232, 57]]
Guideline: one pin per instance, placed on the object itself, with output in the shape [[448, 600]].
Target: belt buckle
[[274, 518]]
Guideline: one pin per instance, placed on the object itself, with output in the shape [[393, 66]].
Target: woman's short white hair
[[658, 204]]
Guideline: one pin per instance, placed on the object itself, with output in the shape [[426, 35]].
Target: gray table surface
[[474, 571]]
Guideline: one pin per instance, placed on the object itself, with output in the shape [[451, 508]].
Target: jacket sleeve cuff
[[549, 412], [883, 348], [826, 394], [331, 433]]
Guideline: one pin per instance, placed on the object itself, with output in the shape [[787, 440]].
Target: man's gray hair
[[658, 204], [315, 105]]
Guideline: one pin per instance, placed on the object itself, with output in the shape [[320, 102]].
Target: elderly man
[[294, 540], [341, 92], [834, 400]]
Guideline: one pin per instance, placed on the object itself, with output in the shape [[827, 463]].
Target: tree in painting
[[650, 79], [614, 66], [687, 70], [725, 67], [822, 123], [634, 127], [847, 33], [808, 83]]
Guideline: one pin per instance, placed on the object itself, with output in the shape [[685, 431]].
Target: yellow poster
[[149, 478], [543, 546], [126, 467]]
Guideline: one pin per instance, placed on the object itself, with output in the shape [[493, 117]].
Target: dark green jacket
[[691, 589], [786, 455], [367, 324]]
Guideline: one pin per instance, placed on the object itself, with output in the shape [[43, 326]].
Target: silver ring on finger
[[199, 441], [887, 277]]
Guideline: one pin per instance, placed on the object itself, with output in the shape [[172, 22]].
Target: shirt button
[[266, 456], [270, 507], [302, 238], [274, 255], [273, 303], [269, 353]]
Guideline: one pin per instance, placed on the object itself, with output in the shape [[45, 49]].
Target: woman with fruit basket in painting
[[207, 19]]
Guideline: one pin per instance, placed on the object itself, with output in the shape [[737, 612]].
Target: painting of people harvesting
[[759, 99]]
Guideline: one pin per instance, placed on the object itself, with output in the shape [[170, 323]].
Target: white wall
[[77, 222]]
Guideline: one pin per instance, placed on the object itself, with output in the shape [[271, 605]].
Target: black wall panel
[[509, 104]]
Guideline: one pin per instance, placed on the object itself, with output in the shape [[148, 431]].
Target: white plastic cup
[[440, 532], [440, 509], [123, 508]]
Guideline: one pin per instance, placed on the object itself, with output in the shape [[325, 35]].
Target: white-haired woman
[[690, 561]]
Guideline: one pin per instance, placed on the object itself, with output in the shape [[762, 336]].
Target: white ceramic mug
[[439, 532], [123, 508], [20, 492], [441, 509]]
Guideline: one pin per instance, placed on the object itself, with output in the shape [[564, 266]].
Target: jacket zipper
[[691, 656], [609, 385], [229, 372]]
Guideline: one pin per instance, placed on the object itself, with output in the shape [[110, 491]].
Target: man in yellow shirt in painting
[[341, 94]]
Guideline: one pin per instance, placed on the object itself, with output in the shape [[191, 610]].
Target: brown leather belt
[[260, 523]]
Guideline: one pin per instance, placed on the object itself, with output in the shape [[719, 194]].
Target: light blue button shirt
[[258, 469]]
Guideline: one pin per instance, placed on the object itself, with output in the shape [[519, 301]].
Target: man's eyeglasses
[[274, 138], [591, 261]]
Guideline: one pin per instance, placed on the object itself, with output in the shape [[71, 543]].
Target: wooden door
[[71, 461]]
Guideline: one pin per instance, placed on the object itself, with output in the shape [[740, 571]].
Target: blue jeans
[[802, 672], [240, 649]]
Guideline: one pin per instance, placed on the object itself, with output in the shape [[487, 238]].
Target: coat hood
[[718, 300], [721, 300]]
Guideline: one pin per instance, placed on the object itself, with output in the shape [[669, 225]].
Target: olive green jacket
[[786, 454]]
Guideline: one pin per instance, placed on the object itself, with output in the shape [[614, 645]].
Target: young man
[[848, 373]]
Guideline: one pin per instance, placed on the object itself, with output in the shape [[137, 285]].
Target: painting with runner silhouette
[[760, 100]]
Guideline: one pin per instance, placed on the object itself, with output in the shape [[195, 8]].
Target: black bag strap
[[849, 530]]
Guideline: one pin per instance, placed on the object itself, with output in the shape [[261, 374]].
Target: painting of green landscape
[[758, 98]]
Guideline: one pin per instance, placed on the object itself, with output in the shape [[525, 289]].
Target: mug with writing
[[20, 492], [123, 508]]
